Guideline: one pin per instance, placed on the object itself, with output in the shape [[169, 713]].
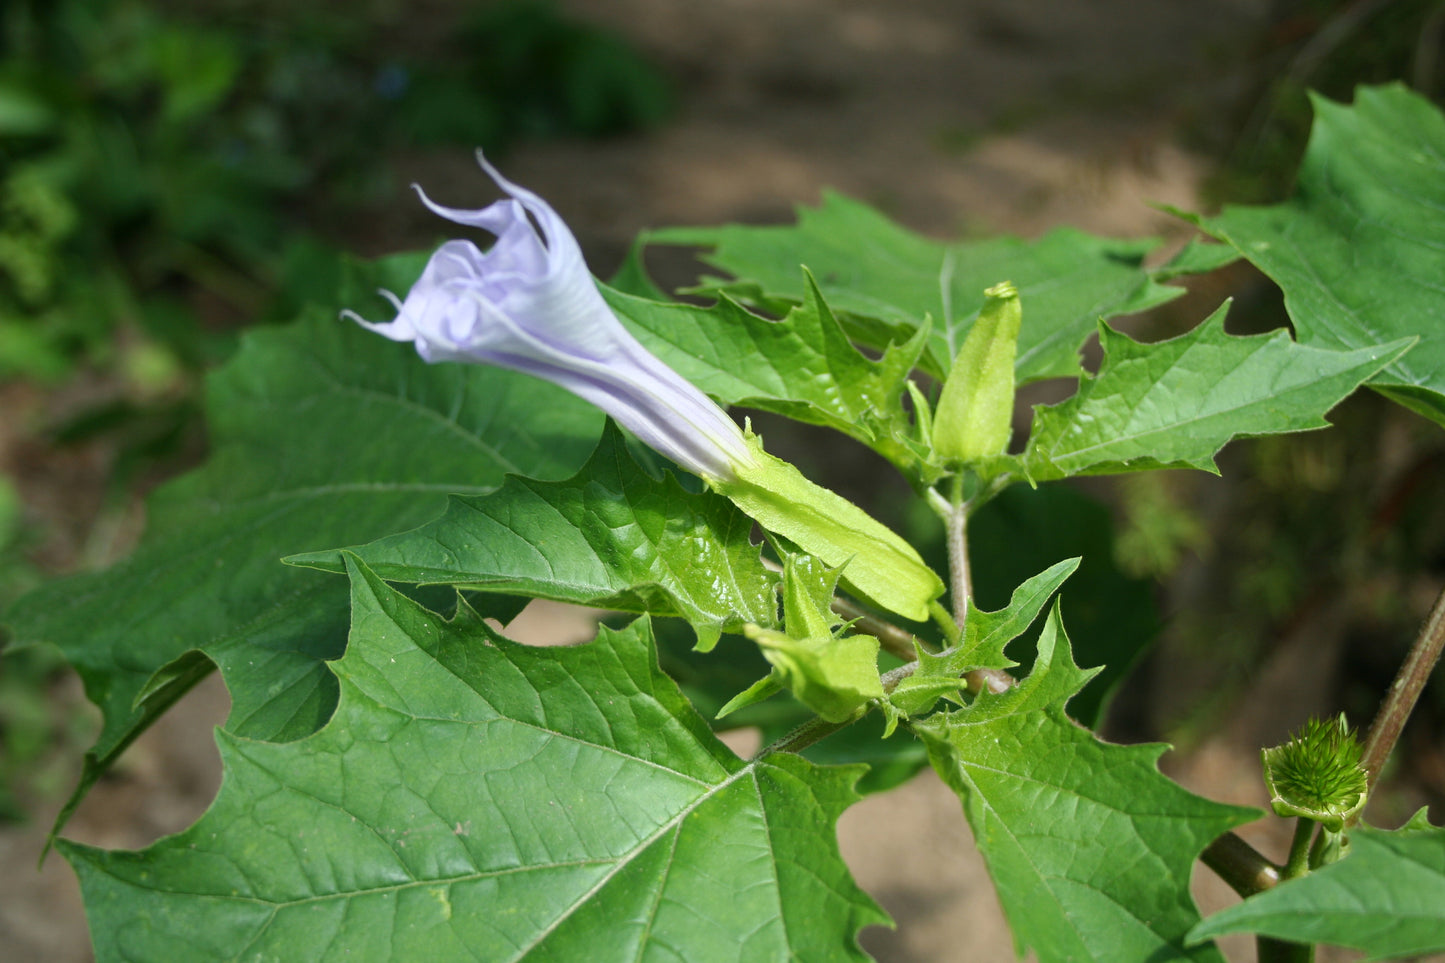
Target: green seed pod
[[1317, 774], [975, 411]]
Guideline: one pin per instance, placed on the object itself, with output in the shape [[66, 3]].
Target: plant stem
[[892, 677], [960, 578], [1299, 849], [1240, 865], [1326, 848], [1247, 872], [952, 631], [814, 730], [1404, 692], [955, 521], [817, 728], [896, 640], [1272, 950], [993, 680]]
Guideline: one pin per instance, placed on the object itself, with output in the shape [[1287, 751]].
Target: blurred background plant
[[1325, 46]]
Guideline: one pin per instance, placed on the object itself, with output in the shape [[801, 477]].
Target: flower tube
[[529, 304]]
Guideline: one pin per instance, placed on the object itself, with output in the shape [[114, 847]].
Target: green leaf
[[474, 799], [1176, 403], [321, 434], [1386, 898], [803, 367], [1196, 257], [1089, 846], [986, 633], [1357, 249], [1112, 617], [834, 677], [984, 636], [610, 536], [871, 268]]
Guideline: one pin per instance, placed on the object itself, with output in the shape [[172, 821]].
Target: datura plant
[[406, 782]]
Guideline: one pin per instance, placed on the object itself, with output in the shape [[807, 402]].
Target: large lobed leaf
[[1176, 403], [1359, 249], [322, 434], [474, 799], [610, 536], [1089, 845], [1387, 898], [871, 268]]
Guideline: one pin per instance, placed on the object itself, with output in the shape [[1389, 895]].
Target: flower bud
[[975, 411]]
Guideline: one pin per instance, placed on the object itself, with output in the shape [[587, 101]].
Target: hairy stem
[[895, 640], [1240, 865], [814, 730], [1404, 692], [960, 578], [955, 521], [992, 680], [943, 618]]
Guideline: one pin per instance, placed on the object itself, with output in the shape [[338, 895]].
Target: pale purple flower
[[529, 304]]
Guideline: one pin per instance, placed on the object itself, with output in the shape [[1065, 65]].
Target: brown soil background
[[955, 118]]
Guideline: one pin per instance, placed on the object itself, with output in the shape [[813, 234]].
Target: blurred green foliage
[[159, 173], [32, 721], [517, 70]]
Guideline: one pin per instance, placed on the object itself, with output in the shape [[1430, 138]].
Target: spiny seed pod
[[1317, 774]]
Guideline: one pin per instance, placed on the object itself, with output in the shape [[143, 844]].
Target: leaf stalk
[[1299, 849], [895, 640], [1240, 865]]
